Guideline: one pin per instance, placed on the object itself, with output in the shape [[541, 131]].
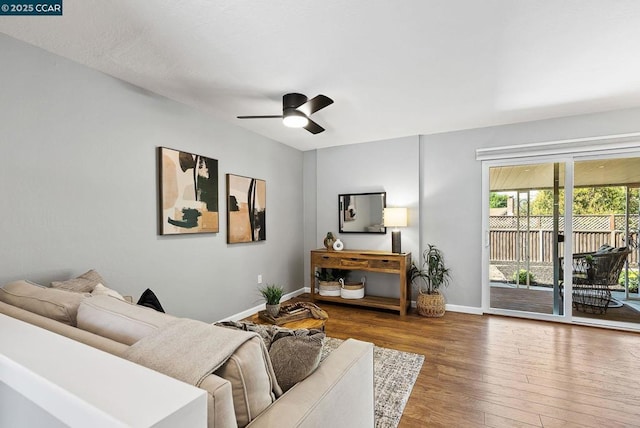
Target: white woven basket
[[355, 291], [329, 288]]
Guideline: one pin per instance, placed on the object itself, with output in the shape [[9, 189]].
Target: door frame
[[567, 151], [568, 186]]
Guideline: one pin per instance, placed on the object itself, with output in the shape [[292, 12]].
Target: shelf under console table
[[370, 261]]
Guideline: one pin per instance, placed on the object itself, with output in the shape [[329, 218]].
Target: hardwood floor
[[495, 371], [541, 301]]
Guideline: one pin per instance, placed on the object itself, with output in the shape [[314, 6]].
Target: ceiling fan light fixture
[[296, 109], [295, 119]]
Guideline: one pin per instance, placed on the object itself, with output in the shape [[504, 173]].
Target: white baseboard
[[458, 308], [251, 311], [465, 309], [245, 314]]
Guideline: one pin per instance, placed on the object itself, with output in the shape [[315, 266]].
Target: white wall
[[78, 185], [18, 411]]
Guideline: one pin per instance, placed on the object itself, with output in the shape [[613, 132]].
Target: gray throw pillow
[[294, 354]]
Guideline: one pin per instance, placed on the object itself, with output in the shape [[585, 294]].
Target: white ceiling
[[393, 68]]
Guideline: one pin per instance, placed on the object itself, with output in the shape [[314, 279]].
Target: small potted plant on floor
[[272, 294], [428, 278]]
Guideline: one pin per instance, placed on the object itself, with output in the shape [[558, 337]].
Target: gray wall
[[447, 179], [391, 166], [78, 183], [452, 191], [78, 189]]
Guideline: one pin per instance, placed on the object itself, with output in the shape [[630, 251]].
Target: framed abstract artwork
[[246, 209], [188, 193]]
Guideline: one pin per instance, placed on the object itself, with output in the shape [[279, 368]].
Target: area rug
[[395, 374]]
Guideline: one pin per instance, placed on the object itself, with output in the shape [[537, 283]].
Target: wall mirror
[[361, 212]]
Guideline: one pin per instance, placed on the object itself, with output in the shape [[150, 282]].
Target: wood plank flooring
[[541, 301], [490, 371]]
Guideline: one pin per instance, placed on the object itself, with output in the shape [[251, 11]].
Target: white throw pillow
[[101, 290]]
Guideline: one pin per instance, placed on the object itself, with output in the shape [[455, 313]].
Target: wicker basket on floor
[[431, 305]]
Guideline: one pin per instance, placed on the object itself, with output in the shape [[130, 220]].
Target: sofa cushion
[[84, 283], [251, 385], [295, 354], [59, 305], [119, 320], [604, 249], [102, 343]]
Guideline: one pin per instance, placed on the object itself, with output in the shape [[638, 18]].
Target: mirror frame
[[340, 212]]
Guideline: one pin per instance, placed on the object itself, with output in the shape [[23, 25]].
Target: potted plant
[[272, 294], [428, 278], [328, 278]]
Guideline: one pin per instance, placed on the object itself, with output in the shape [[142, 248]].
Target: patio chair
[[593, 273]]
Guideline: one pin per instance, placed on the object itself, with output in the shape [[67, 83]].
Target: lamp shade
[[395, 217]]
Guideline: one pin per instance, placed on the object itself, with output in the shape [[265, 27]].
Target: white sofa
[[338, 393]]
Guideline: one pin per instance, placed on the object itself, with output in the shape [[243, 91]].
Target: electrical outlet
[[259, 279]]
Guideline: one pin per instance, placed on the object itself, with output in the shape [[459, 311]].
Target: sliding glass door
[[561, 238], [525, 237], [606, 214]]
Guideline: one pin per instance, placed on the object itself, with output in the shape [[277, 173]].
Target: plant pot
[[431, 305], [273, 310], [329, 288]]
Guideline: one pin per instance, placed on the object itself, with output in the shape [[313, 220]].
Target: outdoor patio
[[540, 300], [527, 237]]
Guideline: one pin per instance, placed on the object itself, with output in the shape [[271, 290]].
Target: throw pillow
[[101, 290], [85, 283], [294, 354], [150, 300], [605, 248]]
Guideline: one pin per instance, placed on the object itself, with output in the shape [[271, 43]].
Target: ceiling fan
[[296, 109]]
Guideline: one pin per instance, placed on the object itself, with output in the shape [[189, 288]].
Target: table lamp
[[395, 217]]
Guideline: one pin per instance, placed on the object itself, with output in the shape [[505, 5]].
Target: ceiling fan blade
[[260, 117], [315, 104], [313, 127]]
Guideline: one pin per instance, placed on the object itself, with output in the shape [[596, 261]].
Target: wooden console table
[[370, 261]]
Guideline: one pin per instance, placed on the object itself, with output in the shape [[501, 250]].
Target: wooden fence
[[507, 245]]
